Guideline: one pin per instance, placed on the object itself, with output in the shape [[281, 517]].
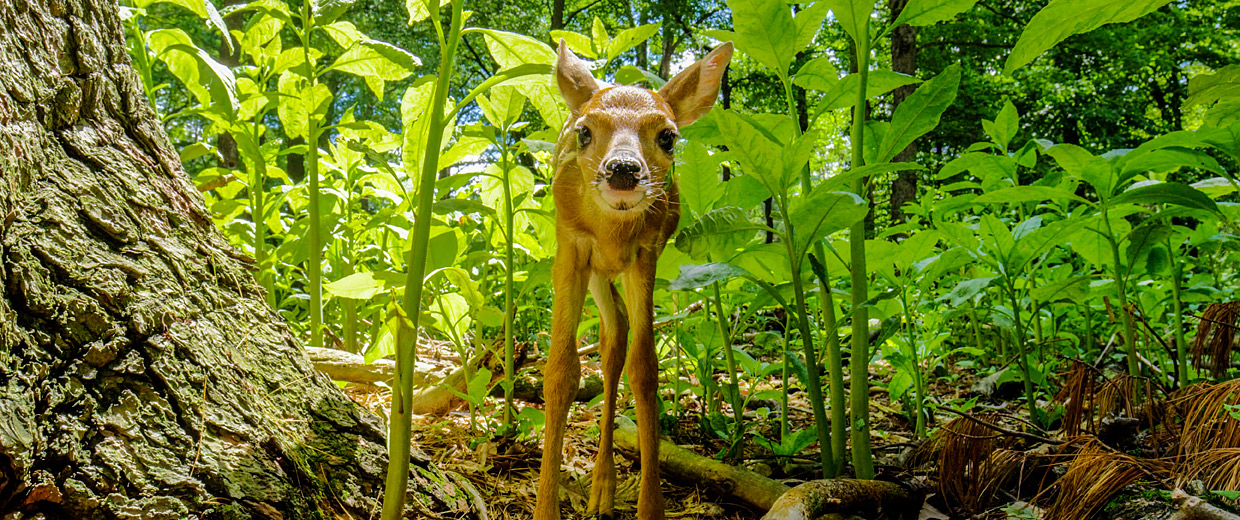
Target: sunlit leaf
[[1063, 18]]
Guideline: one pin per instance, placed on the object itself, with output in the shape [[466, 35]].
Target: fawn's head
[[624, 136]]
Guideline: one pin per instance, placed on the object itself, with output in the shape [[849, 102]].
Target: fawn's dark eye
[[667, 140], [583, 137]]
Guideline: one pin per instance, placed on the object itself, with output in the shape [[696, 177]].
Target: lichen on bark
[[142, 375]]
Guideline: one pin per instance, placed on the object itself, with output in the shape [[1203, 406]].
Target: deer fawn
[[616, 206]]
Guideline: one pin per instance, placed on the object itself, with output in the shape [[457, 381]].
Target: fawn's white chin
[[622, 200]]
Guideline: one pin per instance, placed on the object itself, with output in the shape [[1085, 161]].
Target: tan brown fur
[[605, 233]]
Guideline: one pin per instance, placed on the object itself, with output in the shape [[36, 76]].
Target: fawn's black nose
[[622, 173]]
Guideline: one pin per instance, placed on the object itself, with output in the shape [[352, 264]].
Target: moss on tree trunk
[[142, 375]]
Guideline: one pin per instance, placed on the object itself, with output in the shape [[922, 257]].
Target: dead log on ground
[[844, 498]]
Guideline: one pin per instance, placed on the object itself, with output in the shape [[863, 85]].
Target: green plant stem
[[510, 310], [258, 189], [813, 383], [738, 407], [862, 457], [1019, 343], [835, 363], [1089, 330], [918, 381], [1130, 337], [314, 265], [1181, 343], [402, 399], [977, 328]]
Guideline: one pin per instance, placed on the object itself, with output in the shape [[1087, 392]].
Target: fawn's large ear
[[692, 93], [573, 75]]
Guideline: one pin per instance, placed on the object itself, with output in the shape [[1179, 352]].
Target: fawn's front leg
[[563, 371], [643, 370]]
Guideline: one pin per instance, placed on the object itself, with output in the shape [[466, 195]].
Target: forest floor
[[505, 469]]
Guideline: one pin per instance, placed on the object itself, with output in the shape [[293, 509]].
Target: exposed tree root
[[741, 483]]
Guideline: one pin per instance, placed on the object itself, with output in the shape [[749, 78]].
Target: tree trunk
[[142, 374], [557, 15], [904, 61]]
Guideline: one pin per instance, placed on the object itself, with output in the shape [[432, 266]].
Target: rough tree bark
[[904, 61], [143, 377]]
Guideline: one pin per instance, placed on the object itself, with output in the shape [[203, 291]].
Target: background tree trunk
[[904, 61], [142, 374]]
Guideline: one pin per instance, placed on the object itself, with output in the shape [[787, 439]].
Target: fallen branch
[[1194, 508], [345, 366], [746, 485], [844, 498]]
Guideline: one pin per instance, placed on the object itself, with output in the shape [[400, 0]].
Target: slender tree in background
[[904, 61]]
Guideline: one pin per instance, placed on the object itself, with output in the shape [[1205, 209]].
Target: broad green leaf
[[1151, 234], [879, 82], [1074, 290], [697, 173], [818, 74], [1206, 89], [357, 286], [1169, 159], [511, 49], [296, 103], [630, 74], [1215, 186], [920, 112], [1063, 18], [376, 62], [629, 38], [743, 191], [465, 147], [1090, 242], [1004, 127], [915, 249], [1019, 194], [421, 9], [853, 15], [442, 250], [795, 156], [758, 155], [414, 107], [1167, 193], [996, 237], [1031, 244], [766, 32], [928, 12], [843, 181], [995, 171], [718, 232], [598, 33], [468, 287], [578, 43], [345, 34], [823, 212], [1085, 166], [503, 107], [211, 82], [808, 20], [697, 276]]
